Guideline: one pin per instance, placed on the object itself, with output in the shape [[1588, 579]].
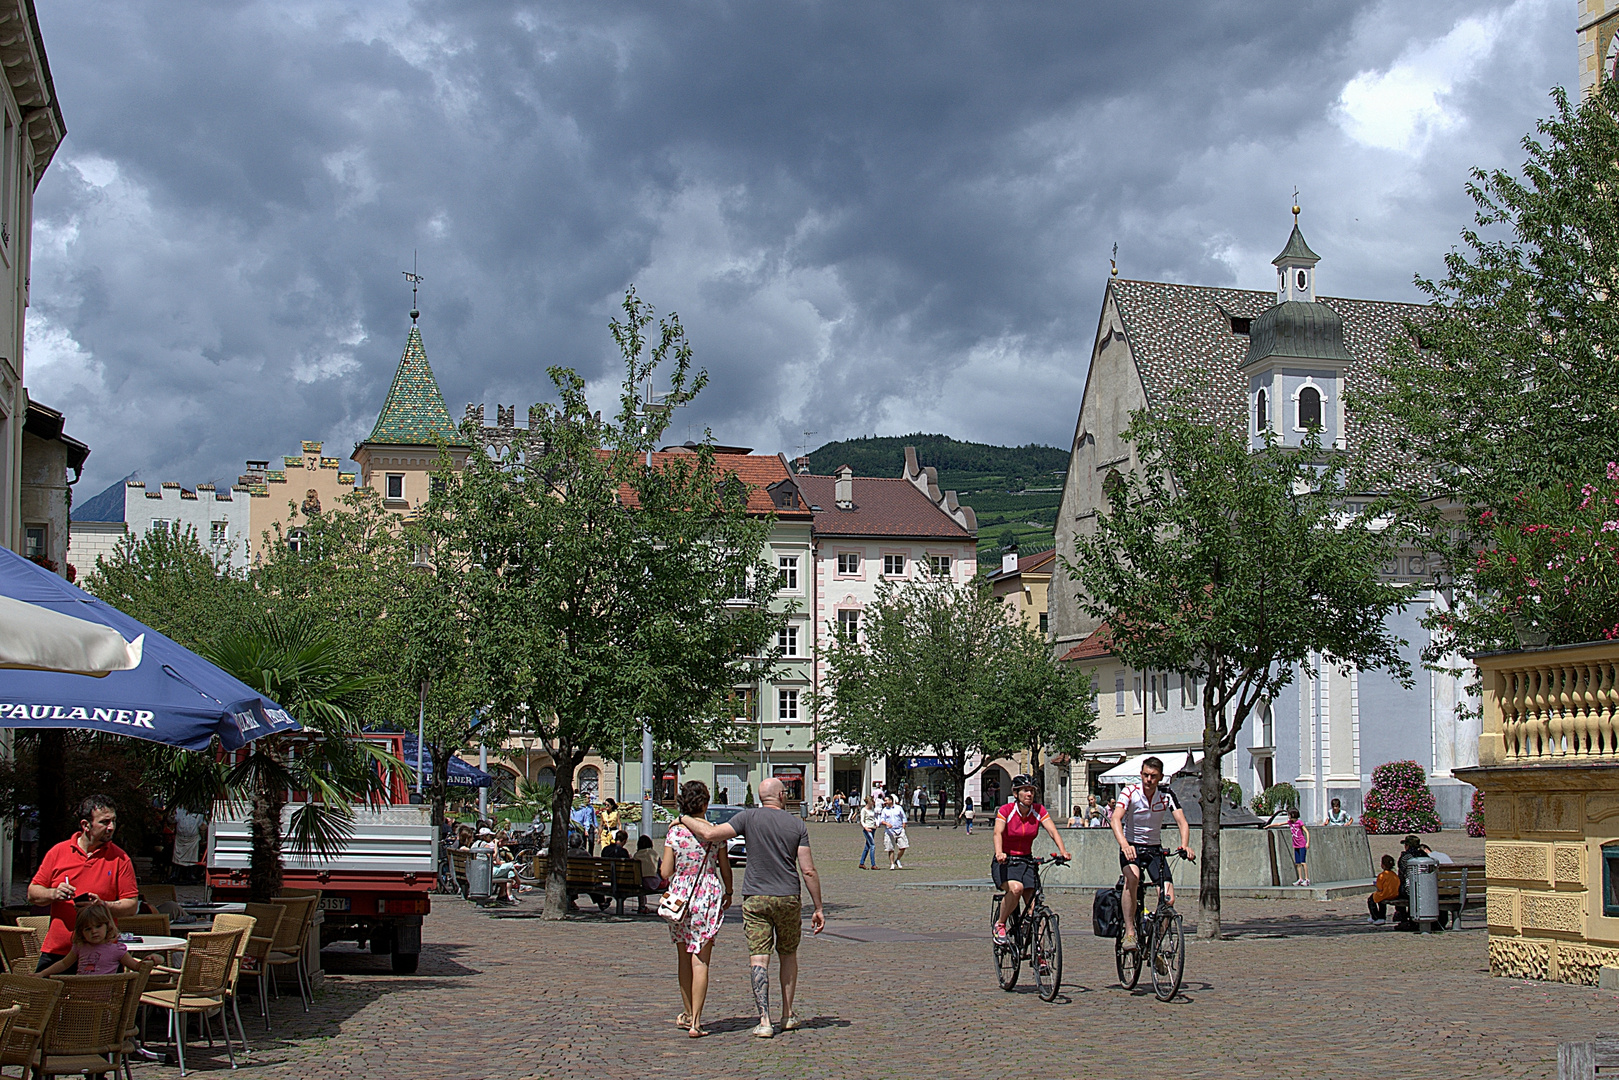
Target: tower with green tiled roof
[[403, 448], [414, 413]]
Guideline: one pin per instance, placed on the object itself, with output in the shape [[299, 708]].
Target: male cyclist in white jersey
[[1138, 816]]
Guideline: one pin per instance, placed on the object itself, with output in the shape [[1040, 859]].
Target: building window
[[1267, 724], [849, 625], [848, 563], [157, 525], [1309, 408], [1160, 692], [786, 705], [297, 540], [395, 488], [1261, 411], [590, 782], [893, 566], [1610, 880], [939, 565], [1136, 693], [787, 571], [33, 542], [1188, 691], [787, 639], [8, 186], [1118, 696], [218, 533], [1043, 622]]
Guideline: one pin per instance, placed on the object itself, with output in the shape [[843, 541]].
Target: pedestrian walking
[[868, 825], [772, 897], [967, 813], [944, 800], [699, 870], [919, 803], [895, 842]]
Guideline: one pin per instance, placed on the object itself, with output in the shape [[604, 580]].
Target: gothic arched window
[[1309, 407], [1261, 411]]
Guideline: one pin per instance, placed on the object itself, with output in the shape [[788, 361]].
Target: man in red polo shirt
[[86, 867]]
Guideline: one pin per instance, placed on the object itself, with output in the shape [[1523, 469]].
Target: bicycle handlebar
[[1040, 860]]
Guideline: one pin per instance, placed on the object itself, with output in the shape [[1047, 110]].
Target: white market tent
[[1128, 771]]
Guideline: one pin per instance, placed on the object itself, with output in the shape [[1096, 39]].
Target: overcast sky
[[870, 217]]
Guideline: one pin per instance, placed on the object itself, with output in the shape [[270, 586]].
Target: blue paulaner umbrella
[[461, 774], [172, 696]]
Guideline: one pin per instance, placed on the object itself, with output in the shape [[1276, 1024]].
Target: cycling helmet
[[1022, 780]]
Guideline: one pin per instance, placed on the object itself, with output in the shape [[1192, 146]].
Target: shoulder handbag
[[676, 908]]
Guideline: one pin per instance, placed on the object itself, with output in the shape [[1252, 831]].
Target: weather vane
[[1113, 263], [415, 280]]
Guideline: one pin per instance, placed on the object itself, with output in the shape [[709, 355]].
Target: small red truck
[[375, 891]]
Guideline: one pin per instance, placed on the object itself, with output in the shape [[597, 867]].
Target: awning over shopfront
[[1128, 771]]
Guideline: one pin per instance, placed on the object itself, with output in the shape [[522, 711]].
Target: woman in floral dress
[[683, 857]]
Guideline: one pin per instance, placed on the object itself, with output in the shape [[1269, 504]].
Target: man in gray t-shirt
[[772, 913]]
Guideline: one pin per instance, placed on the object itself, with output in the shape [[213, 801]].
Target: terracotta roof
[[414, 414], [758, 471], [1097, 644], [882, 507], [1041, 562], [1181, 339]]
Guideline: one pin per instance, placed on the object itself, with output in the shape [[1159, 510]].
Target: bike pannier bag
[[1107, 913]]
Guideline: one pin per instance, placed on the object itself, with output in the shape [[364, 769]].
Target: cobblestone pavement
[[901, 985]]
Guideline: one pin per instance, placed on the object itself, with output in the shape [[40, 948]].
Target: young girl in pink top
[[96, 949]]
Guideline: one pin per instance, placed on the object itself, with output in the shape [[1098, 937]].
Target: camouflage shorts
[[772, 924]]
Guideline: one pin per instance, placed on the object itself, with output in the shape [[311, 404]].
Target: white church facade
[[1282, 361]]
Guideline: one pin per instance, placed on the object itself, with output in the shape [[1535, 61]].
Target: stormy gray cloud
[[870, 217]]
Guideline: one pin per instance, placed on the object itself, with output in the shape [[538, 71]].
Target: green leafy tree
[[1236, 566], [1507, 387], [312, 677], [603, 591], [942, 666]]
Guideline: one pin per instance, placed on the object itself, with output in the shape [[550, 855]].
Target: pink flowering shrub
[[1475, 816], [1400, 801], [1548, 573]]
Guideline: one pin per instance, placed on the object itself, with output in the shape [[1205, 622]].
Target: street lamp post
[[647, 408]]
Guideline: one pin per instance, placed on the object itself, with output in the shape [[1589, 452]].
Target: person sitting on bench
[[1387, 888]]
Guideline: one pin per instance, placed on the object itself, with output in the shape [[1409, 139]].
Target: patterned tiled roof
[[1181, 339], [882, 507], [414, 414]]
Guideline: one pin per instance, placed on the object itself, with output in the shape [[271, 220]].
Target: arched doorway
[[997, 787]]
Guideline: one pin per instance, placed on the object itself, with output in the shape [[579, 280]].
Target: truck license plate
[[334, 903]]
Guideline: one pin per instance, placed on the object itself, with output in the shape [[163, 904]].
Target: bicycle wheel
[[1129, 963], [1006, 953], [1168, 956], [1047, 962]]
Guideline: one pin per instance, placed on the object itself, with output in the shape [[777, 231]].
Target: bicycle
[[1161, 934], [1036, 938]]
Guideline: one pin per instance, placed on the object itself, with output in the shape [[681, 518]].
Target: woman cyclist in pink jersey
[[1016, 825]]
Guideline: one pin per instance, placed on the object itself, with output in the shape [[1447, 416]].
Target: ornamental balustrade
[[1550, 706]]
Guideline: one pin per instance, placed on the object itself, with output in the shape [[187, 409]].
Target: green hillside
[[1014, 490]]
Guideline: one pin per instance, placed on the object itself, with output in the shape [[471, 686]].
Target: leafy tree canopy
[[1236, 566]]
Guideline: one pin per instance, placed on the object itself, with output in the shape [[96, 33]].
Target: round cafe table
[[202, 910], [151, 943]]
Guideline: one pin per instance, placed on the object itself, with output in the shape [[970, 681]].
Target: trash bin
[[480, 875], [1422, 891]]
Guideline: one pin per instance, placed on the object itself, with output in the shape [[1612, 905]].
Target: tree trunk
[[1208, 898], [894, 773], [556, 870], [264, 831], [54, 813], [440, 787], [1038, 774]]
